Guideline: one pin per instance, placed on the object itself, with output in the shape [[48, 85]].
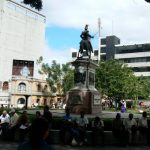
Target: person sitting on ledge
[[38, 132], [97, 130], [68, 129], [143, 128], [118, 130], [131, 128]]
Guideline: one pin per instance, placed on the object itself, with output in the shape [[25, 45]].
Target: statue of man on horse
[[85, 44]]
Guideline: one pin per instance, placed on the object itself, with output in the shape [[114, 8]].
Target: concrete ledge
[[109, 138]]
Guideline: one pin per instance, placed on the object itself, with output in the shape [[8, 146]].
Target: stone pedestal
[[84, 95]]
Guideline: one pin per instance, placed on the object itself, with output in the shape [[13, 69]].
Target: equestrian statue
[[85, 44]]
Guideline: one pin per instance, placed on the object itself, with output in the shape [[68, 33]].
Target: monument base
[[84, 100], [84, 96]]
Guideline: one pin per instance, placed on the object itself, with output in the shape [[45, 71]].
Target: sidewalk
[[13, 146]]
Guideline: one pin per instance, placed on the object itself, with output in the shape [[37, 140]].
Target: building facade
[[33, 91], [22, 36], [136, 56]]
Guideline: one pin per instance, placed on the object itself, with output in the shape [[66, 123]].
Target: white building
[[22, 35]]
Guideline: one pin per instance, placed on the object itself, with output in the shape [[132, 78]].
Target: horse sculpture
[[85, 44]]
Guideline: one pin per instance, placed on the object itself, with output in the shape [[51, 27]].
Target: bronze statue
[[85, 44]]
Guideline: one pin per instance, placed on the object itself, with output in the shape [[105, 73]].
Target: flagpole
[[99, 40]]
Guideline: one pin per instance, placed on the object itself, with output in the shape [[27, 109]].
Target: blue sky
[[62, 38], [127, 19]]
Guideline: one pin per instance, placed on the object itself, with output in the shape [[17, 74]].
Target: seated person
[[131, 128], [37, 137], [119, 130], [68, 130], [97, 130], [13, 124], [4, 123], [143, 127], [82, 126], [23, 124]]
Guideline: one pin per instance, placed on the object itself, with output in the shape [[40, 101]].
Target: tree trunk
[[135, 102]]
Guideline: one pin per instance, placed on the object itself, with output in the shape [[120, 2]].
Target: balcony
[[29, 92]]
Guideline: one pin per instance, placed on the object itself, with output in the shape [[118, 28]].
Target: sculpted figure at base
[[85, 43]]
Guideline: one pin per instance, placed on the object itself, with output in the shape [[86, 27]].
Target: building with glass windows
[[136, 56]]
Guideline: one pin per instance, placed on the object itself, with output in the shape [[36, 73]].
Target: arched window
[[5, 86], [39, 88], [38, 100], [45, 88], [22, 87], [45, 102], [21, 101]]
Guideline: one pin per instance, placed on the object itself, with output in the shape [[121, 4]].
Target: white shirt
[[83, 121], [129, 123], [13, 120], [5, 119], [143, 122]]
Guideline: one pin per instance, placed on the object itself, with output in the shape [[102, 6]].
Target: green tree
[[68, 77], [115, 80], [147, 1], [144, 87], [59, 78], [37, 4]]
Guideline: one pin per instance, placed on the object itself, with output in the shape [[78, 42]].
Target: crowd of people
[[124, 130], [37, 131]]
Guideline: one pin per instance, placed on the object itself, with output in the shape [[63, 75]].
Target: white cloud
[[61, 56], [130, 17], [130, 20]]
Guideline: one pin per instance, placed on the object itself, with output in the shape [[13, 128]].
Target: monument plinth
[[84, 96]]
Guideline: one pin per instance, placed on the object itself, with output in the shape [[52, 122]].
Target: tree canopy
[[59, 78], [37, 4], [118, 82], [147, 1]]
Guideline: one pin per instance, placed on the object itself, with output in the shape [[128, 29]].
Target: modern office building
[[22, 36], [136, 56]]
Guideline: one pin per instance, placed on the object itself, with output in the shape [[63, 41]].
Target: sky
[[127, 19]]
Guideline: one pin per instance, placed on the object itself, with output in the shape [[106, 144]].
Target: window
[[22, 87], [38, 100], [96, 53], [21, 101], [74, 54], [45, 87], [39, 88], [5, 86]]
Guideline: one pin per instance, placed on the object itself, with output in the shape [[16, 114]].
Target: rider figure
[[85, 43], [85, 34]]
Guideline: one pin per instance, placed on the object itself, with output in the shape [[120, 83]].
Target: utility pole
[[99, 40]]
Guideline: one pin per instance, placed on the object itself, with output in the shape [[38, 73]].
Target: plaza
[[13, 146], [95, 83]]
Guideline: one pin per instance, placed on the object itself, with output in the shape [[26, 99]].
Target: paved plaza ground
[[13, 146]]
